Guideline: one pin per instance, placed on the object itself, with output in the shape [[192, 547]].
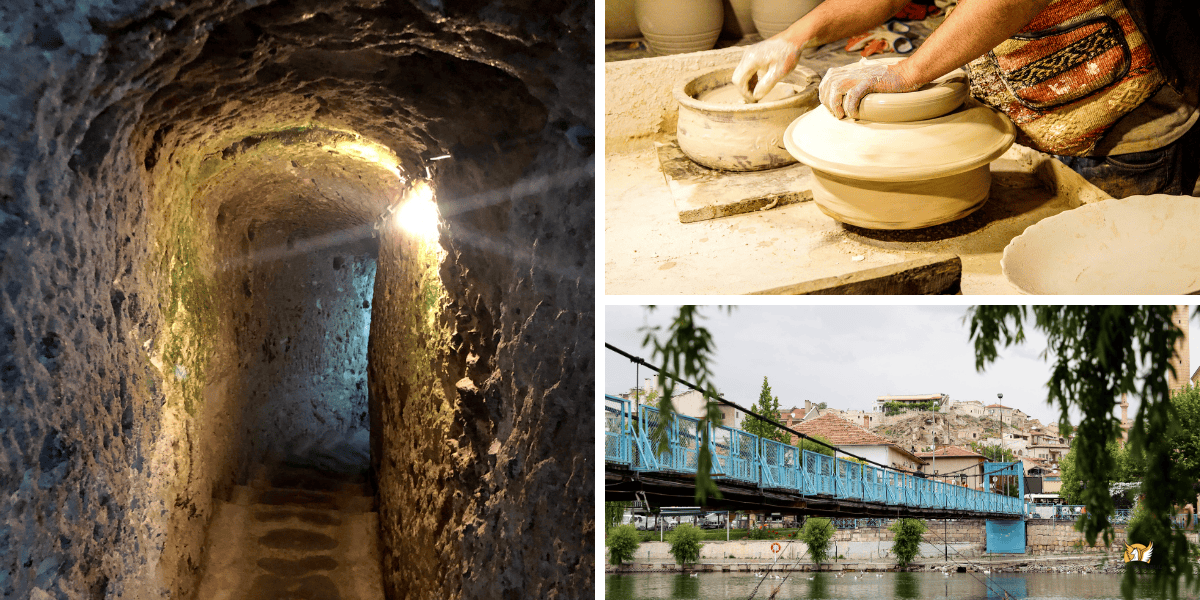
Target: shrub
[[685, 544], [623, 541], [907, 540], [759, 533], [816, 533]]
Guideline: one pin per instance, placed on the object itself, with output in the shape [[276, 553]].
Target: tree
[[768, 406], [685, 352], [1127, 468], [907, 539], [647, 397], [895, 408], [1185, 440], [816, 533], [993, 453], [1071, 486], [822, 406], [622, 541], [811, 446], [685, 544], [613, 511], [1099, 353]]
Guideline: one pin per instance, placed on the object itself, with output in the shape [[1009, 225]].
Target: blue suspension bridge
[[758, 474]]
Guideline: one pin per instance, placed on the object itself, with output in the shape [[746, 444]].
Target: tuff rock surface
[[195, 242]]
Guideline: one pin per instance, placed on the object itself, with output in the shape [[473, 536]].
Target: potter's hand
[[843, 88], [762, 66]]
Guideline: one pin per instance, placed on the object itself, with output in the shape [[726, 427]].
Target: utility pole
[[1001, 398]]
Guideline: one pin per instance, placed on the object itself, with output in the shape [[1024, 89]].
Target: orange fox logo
[[1138, 552]]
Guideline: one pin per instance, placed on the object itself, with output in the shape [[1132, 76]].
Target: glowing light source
[[417, 213]]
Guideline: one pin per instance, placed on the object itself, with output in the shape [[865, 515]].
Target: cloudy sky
[[848, 355]]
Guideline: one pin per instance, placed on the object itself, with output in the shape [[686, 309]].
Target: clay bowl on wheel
[[901, 175], [933, 99], [719, 130], [1134, 245]]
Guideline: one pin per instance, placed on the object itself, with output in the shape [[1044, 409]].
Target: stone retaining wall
[[956, 538], [1044, 536]]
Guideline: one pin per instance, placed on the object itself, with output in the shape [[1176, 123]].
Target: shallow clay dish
[[1134, 245], [934, 99], [720, 131]]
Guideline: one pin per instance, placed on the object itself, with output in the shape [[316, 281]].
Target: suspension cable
[[640, 361]]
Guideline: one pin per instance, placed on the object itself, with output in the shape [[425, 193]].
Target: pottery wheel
[[962, 140]]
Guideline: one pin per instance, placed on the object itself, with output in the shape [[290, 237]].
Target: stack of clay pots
[[772, 16], [676, 26], [913, 160]]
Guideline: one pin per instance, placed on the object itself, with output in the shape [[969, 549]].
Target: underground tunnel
[[296, 299]]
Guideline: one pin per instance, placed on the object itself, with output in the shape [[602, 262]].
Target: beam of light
[[418, 214], [465, 234], [442, 157], [372, 153]]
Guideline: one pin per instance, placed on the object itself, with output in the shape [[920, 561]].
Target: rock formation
[[196, 239]]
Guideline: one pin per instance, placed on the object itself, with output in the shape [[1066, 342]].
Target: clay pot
[[901, 175], [677, 26], [737, 18], [1134, 245], [737, 136], [619, 21], [772, 16]]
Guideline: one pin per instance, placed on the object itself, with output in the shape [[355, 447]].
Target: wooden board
[[934, 275], [701, 193]]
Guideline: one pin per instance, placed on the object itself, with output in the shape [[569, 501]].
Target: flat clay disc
[[962, 140]]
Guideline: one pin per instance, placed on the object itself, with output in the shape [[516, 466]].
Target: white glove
[[762, 66]]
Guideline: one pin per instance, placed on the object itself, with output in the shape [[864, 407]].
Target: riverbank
[[1071, 562], [1049, 545]]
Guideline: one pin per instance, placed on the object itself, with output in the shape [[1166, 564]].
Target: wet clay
[[730, 94], [932, 100]]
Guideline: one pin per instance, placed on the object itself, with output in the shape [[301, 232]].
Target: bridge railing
[[746, 458], [617, 442]]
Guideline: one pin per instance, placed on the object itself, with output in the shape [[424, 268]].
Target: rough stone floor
[[294, 533]]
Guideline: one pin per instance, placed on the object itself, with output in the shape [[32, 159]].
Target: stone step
[[270, 551], [287, 477], [349, 501]]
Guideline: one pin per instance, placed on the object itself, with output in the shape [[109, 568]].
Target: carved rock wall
[[162, 163]]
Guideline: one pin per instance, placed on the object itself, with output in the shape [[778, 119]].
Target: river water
[[889, 586]]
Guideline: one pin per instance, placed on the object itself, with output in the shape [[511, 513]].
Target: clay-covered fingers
[[745, 78], [762, 66], [853, 98], [843, 88], [836, 89]]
